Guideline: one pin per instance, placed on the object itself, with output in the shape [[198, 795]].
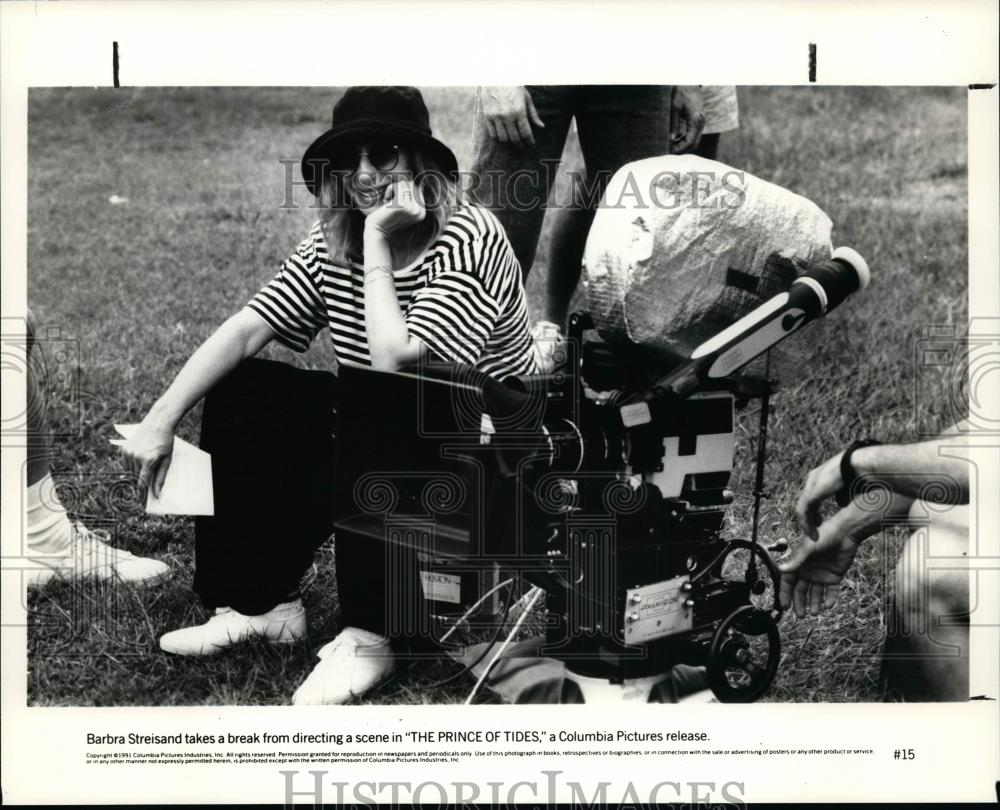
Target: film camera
[[606, 486]]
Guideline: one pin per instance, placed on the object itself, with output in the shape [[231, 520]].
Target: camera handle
[[819, 290]]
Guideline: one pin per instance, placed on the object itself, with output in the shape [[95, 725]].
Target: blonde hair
[[343, 224]]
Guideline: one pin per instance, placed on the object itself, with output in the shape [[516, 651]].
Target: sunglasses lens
[[383, 156]]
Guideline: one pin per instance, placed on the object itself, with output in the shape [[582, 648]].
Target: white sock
[[49, 530]]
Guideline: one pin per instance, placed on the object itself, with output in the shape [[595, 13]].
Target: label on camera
[[656, 611], [635, 414], [756, 343], [442, 587]]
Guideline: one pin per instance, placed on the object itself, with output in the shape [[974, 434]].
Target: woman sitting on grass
[[396, 269]]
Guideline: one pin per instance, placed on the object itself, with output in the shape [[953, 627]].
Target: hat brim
[[327, 146]]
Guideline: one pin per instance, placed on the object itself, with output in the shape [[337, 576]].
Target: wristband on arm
[[848, 474]]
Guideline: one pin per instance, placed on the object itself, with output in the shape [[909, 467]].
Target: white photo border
[[448, 43]]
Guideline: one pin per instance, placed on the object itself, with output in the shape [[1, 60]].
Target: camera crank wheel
[[744, 655], [762, 577]]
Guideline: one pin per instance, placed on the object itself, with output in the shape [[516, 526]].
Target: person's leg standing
[[64, 549], [49, 531], [514, 181], [570, 226], [38, 433], [720, 106], [617, 125]]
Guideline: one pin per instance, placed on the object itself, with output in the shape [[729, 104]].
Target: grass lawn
[[137, 286]]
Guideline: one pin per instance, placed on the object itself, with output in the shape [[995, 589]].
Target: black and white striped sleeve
[[455, 313], [290, 302]]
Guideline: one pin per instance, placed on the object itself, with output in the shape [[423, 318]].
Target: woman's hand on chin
[[401, 208]]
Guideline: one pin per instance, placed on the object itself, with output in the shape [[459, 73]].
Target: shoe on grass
[[350, 665], [548, 346], [283, 624], [90, 556]]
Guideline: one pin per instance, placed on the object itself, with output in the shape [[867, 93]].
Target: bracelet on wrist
[[372, 273], [849, 475]]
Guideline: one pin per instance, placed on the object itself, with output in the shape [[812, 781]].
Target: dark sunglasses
[[383, 156]]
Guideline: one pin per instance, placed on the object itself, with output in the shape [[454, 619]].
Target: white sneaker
[[283, 624], [350, 665], [89, 555], [548, 346]]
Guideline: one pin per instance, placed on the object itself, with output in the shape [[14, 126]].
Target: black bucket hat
[[381, 111]]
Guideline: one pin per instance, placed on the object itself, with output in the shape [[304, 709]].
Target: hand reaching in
[[812, 573], [687, 119], [510, 114]]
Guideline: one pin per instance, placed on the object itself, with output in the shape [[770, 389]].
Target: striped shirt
[[463, 298]]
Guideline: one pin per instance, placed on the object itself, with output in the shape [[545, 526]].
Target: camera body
[[622, 526], [606, 485], [630, 519]]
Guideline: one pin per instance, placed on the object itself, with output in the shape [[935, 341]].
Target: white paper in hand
[[187, 489]]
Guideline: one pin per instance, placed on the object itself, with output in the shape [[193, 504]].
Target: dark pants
[[617, 124], [270, 430]]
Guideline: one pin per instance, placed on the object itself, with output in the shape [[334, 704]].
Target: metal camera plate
[[657, 610]]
